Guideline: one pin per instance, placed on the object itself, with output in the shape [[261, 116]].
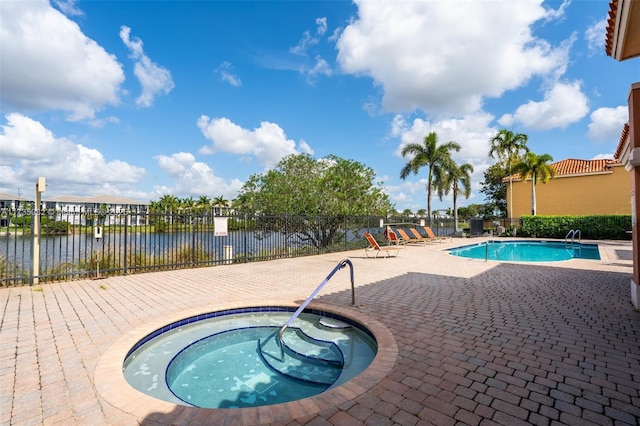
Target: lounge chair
[[392, 237], [418, 236], [434, 237], [404, 234], [375, 247]]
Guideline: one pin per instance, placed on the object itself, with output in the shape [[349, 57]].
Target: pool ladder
[[339, 266], [572, 234]]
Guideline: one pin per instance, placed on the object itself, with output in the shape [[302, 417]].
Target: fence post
[[227, 254], [127, 216], [40, 186]]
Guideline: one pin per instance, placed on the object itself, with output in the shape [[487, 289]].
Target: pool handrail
[[572, 233], [340, 265]]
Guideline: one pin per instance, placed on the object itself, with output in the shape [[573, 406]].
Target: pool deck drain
[[467, 341]]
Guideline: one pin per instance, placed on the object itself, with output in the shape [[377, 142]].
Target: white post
[[227, 254], [40, 185]]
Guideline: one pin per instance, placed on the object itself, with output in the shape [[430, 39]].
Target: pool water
[[236, 360], [528, 251]]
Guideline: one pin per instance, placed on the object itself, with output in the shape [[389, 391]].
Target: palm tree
[[220, 202], [429, 154], [508, 147], [535, 167], [168, 202], [457, 180], [187, 203], [203, 202]]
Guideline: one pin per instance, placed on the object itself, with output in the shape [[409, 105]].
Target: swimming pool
[[528, 251], [233, 359]]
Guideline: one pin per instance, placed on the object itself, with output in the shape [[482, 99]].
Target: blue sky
[[145, 98]]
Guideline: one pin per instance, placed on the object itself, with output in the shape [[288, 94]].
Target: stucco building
[[581, 187], [622, 42]]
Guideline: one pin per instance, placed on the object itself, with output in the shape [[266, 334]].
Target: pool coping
[[113, 388]]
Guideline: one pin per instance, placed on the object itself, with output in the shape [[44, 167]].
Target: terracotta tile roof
[[611, 24], [623, 139], [573, 167], [583, 167]]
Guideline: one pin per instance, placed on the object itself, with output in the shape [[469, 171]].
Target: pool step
[[302, 357], [333, 324]]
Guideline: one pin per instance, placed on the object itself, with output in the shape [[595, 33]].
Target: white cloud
[[194, 178], [321, 67], [225, 71], [608, 156], [322, 26], [562, 105], [606, 124], [595, 36], [304, 147], [49, 64], [68, 7], [30, 150], [153, 78], [472, 133], [429, 56], [308, 39], [267, 143]]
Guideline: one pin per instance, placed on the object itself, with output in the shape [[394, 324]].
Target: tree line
[[332, 186]]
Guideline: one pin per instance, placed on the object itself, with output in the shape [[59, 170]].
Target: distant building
[[9, 204], [11, 201], [101, 209], [581, 187]]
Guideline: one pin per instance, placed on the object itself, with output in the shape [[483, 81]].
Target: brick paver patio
[[464, 341]]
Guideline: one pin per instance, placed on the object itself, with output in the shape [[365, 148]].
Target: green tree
[[331, 187], [535, 167], [203, 203], [187, 204], [168, 204], [494, 188], [508, 147], [457, 180], [472, 210], [431, 155], [220, 203]]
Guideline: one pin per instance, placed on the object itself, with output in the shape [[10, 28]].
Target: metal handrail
[[339, 266], [573, 234]]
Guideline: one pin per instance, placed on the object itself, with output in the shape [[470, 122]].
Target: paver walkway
[[475, 342]]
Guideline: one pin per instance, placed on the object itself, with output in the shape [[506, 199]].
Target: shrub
[[609, 227]]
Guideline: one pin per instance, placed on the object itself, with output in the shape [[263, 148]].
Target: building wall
[[599, 194]]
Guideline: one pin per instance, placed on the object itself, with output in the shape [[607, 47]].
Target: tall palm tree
[[220, 202], [169, 202], [535, 167], [187, 203], [508, 147], [203, 202], [429, 154], [457, 179]]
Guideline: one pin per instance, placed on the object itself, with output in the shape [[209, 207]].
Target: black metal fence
[[77, 245]]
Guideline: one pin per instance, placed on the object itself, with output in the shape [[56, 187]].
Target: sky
[[140, 99]]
